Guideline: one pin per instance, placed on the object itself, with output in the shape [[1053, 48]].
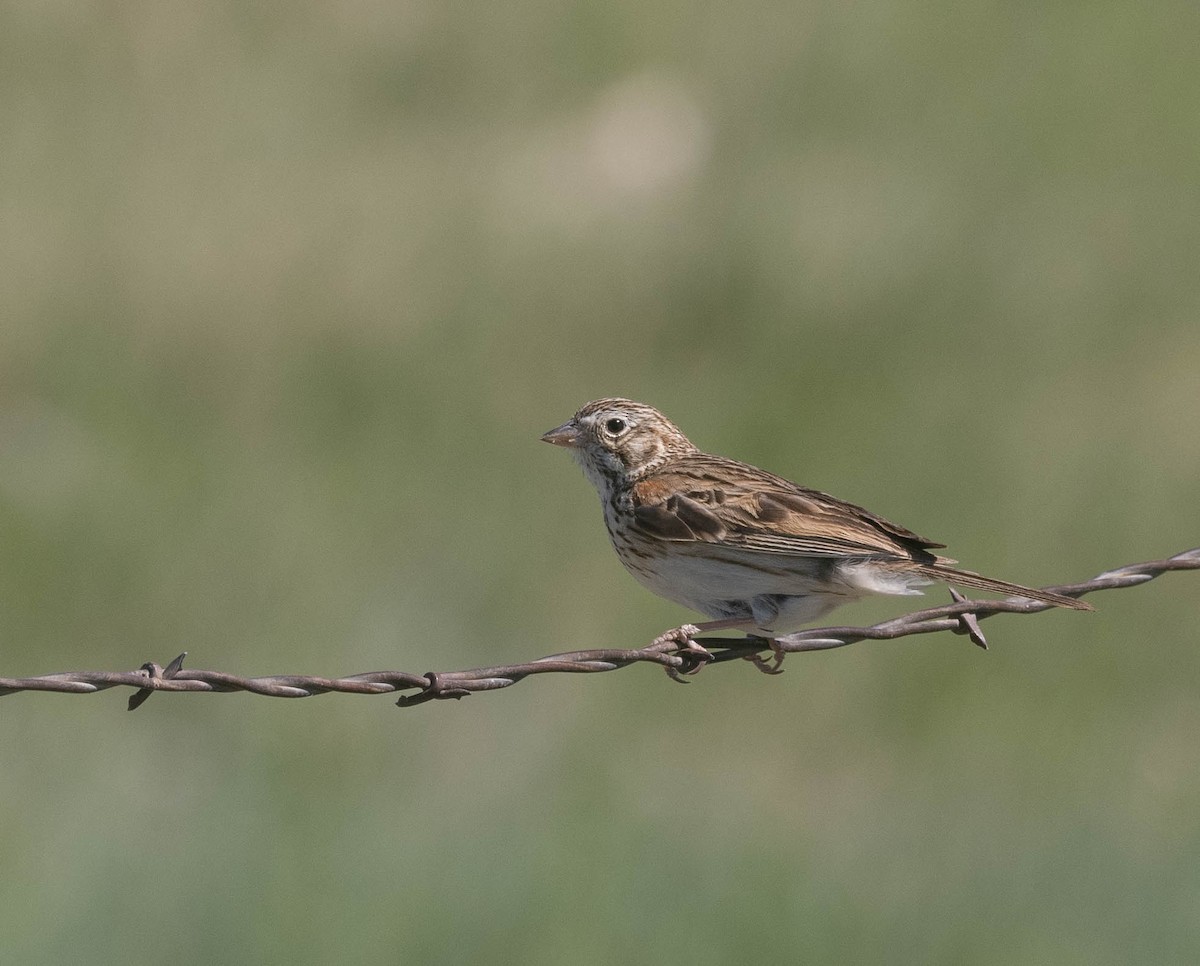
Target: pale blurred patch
[[641, 140]]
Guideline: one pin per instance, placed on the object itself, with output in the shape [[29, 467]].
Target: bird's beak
[[565, 435]]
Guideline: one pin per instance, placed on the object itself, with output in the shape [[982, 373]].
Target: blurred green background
[[289, 292]]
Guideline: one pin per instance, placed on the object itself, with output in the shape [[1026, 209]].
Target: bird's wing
[[715, 500]]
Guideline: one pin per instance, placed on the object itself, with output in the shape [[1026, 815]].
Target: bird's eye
[[615, 426]]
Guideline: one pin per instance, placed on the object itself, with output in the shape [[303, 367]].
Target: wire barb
[[681, 655], [156, 674], [968, 623]]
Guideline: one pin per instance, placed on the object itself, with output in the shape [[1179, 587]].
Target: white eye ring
[[615, 426]]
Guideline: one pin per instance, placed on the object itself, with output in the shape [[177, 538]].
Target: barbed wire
[[678, 653]]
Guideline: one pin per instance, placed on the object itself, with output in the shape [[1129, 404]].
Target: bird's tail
[[951, 575]]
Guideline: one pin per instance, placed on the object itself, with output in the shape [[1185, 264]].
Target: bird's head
[[618, 440]]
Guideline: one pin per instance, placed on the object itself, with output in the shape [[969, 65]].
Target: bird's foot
[[772, 666], [681, 641]]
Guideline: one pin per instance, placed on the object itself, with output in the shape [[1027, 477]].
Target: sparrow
[[742, 546]]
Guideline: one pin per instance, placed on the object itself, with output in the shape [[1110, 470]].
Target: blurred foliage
[[289, 292]]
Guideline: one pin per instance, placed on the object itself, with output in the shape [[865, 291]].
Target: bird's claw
[[692, 656], [774, 665]]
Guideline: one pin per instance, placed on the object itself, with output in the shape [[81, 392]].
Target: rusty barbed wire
[[676, 657]]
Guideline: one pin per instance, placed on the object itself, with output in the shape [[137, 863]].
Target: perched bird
[[740, 545]]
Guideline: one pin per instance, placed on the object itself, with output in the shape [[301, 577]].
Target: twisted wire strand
[[677, 655]]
